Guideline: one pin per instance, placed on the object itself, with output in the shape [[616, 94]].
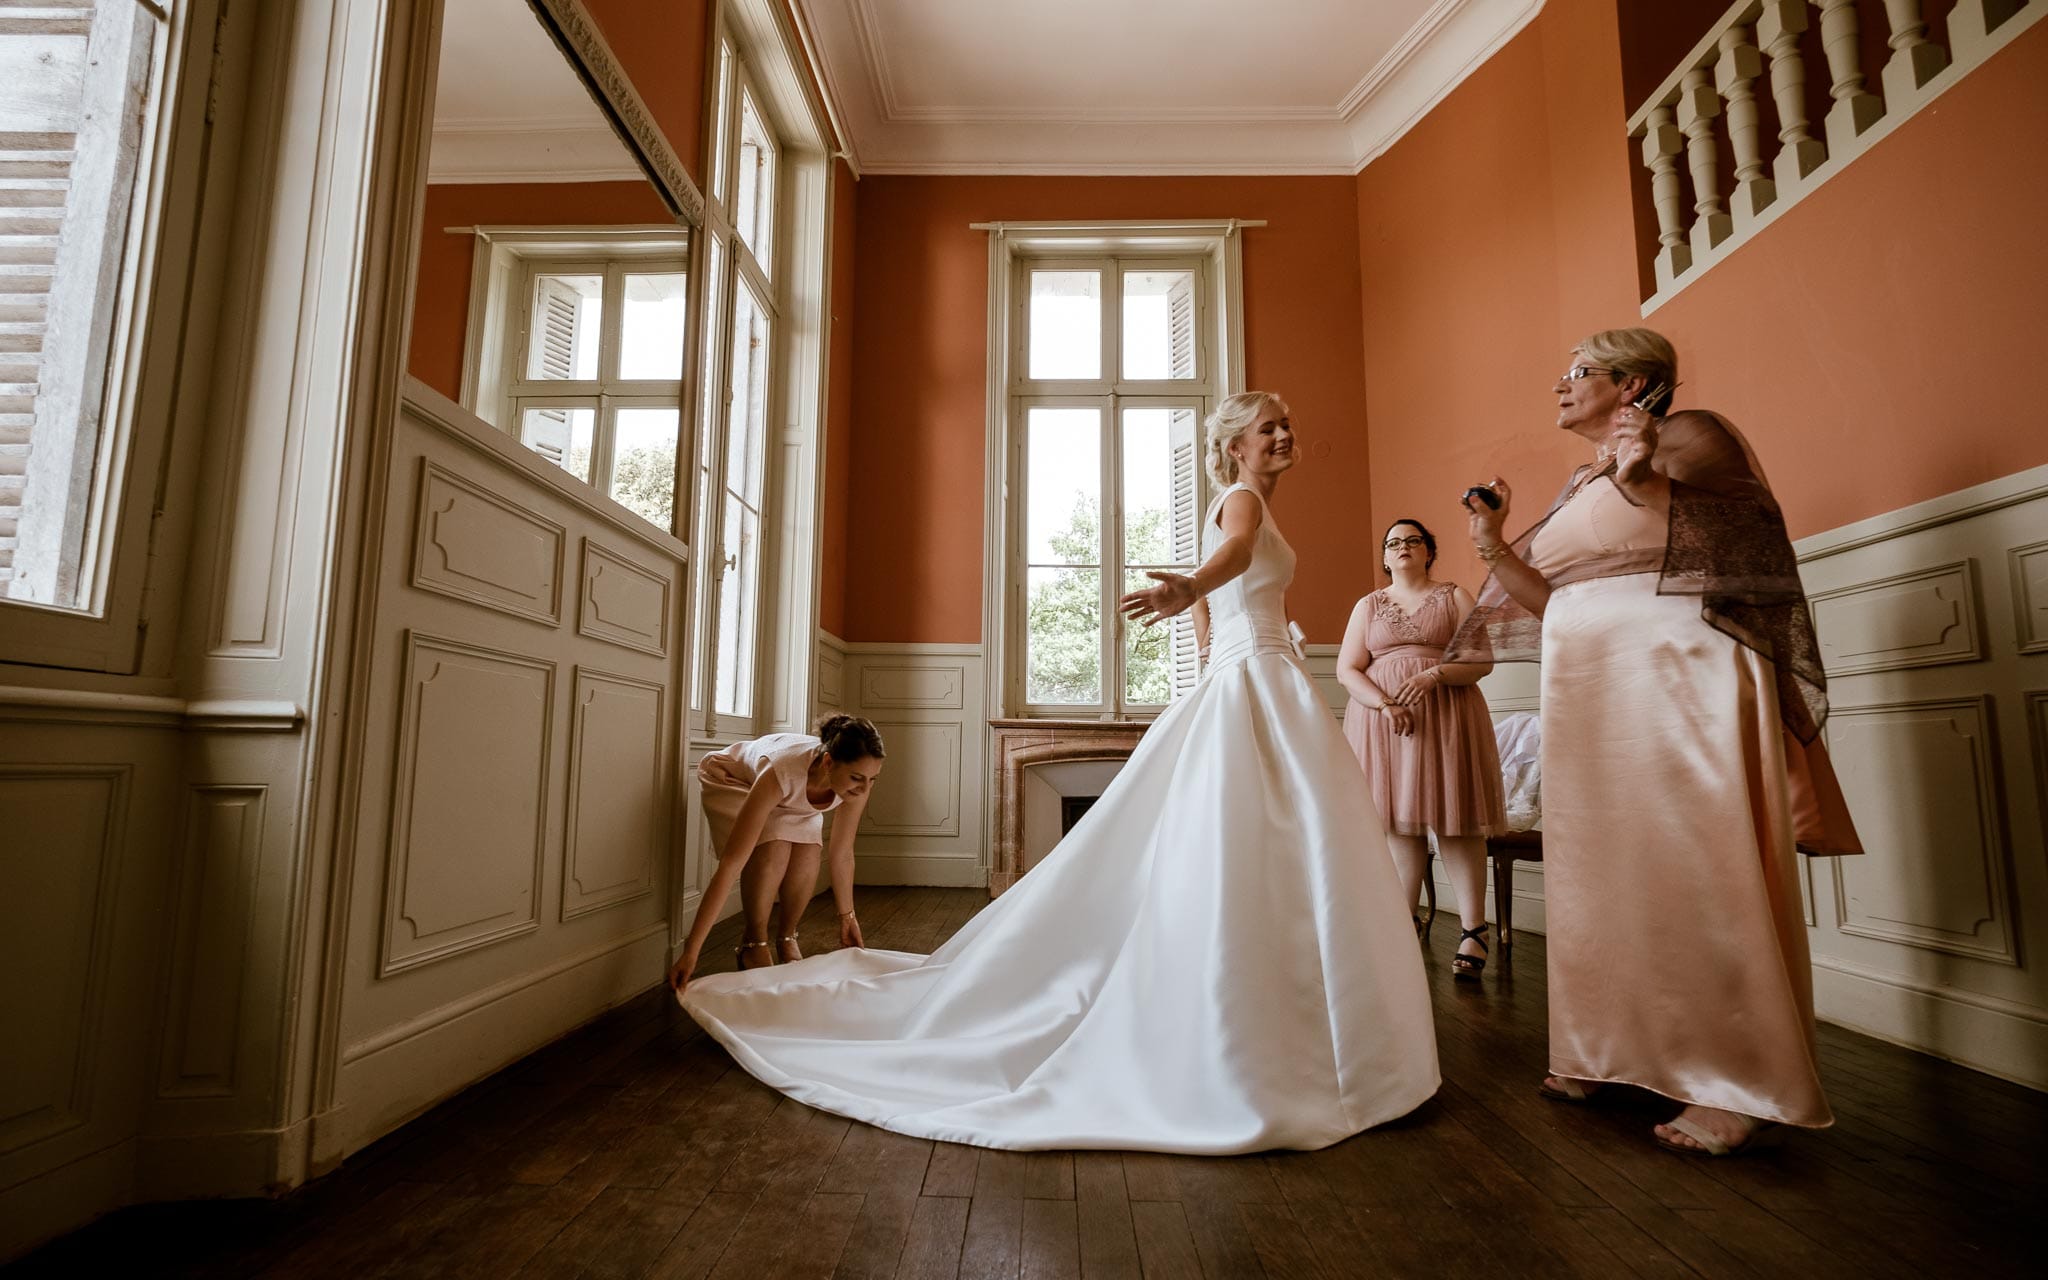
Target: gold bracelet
[[1493, 551]]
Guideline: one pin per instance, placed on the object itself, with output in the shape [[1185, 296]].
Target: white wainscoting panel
[[1921, 618], [216, 890], [616, 792], [469, 822], [1920, 778], [928, 820], [2029, 566], [64, 829], [474, 545]]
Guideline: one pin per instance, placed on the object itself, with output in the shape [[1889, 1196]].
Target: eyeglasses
[[1579, 371], [1395, 544]]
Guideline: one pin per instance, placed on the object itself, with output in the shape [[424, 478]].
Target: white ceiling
[[508, 107], [1143, 86]]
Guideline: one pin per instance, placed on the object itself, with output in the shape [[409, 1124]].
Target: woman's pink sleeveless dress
[[1445, 777]]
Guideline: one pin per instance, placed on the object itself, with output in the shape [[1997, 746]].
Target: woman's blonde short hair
[[1232, 418], [1644, 353]]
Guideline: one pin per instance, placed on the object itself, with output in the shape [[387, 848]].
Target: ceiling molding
[[881, 134], [479, 151]]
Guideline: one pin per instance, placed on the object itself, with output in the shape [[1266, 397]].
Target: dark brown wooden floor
[[635, 1148]]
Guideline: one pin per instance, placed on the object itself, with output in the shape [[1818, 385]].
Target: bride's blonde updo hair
[[1232, 418]]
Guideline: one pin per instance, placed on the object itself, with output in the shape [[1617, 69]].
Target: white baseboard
[[205, 1166], [65, 1199], [1995, 1036], [919, 869], [381, 1078]]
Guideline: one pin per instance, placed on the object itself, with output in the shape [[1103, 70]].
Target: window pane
[[644, 462], [1148, 652], [739, 588], [1063, 484], [562, 436], [748, 429], [754, 204], [1159, 324], [1063, 644], [705, 496], [562, 333], [1159, 497], [651, 330], [1065, 324], [78, 106]]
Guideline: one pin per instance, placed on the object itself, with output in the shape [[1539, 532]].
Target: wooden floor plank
[[634, 1146]]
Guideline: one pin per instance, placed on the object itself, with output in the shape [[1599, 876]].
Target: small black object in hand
[[1484, 494]]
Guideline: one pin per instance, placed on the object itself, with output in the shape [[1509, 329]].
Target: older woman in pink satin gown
[[1682, 699]]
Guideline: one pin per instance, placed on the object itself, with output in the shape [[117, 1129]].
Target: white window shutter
[[1185, 526], [554, 315], [1180, 328]]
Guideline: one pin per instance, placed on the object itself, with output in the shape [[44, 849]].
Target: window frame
[[106, 631], [733, 80], [502, 268], [1213, 250]]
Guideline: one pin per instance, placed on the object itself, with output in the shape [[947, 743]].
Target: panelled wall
[[510, 866]]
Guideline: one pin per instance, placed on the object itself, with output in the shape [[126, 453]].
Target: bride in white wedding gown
[[1215, 960]]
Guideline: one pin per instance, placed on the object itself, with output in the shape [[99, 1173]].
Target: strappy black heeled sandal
[[1464, 966]]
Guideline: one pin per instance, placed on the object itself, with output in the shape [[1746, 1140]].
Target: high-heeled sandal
[[739, 953], [788, 940], [1464, 966]]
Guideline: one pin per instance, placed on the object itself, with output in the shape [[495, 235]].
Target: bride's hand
[[1175, 594], [1415, 688]]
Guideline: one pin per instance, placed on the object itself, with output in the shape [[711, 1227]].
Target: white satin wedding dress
[[1215, 960]]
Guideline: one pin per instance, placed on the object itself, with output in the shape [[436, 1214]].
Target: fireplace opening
[[1071, 809]]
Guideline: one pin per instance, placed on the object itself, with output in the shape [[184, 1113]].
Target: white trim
[[2000, 1037], [1962, 504], [881, 134], [933, 650], [92, 706]]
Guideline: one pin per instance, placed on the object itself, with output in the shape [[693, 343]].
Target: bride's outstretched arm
[[1177, 592]]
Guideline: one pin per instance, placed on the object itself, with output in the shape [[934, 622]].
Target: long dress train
[[1215, 960]]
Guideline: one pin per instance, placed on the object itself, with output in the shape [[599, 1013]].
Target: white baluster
[[1971, 23], [1778, 29], [1698, 105], [1662, 143], [1735, 75], [1915, 59], [1856, 108]]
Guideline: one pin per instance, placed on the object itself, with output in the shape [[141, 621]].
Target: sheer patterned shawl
[[1727, 545]]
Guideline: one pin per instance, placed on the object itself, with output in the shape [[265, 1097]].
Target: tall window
[[743, 303], [85, 82], [597, 387], [1112, 368]]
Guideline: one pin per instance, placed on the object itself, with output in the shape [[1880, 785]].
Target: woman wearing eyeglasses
[[1422, 732], [1682, 700]]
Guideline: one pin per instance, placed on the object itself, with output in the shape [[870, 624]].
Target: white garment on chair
[[1216, 959], [1520, 739]]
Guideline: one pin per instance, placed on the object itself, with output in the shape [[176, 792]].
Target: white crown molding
[[465, 151], [880, 134]]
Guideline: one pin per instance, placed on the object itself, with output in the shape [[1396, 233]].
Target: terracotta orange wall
[[839, 406], [661, 45], [1871, 342], [915, 535], [440, 310]]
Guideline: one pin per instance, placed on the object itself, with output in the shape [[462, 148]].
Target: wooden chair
[[1505, 851]]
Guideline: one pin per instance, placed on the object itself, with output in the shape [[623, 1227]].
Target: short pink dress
[[728, 775], [1445, 777]]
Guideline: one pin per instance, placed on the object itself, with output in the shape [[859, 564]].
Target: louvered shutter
[[546, 431], [1186, 548], [1180, 328]]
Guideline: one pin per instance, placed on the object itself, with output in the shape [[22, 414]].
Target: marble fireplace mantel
[[1021, 745]]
